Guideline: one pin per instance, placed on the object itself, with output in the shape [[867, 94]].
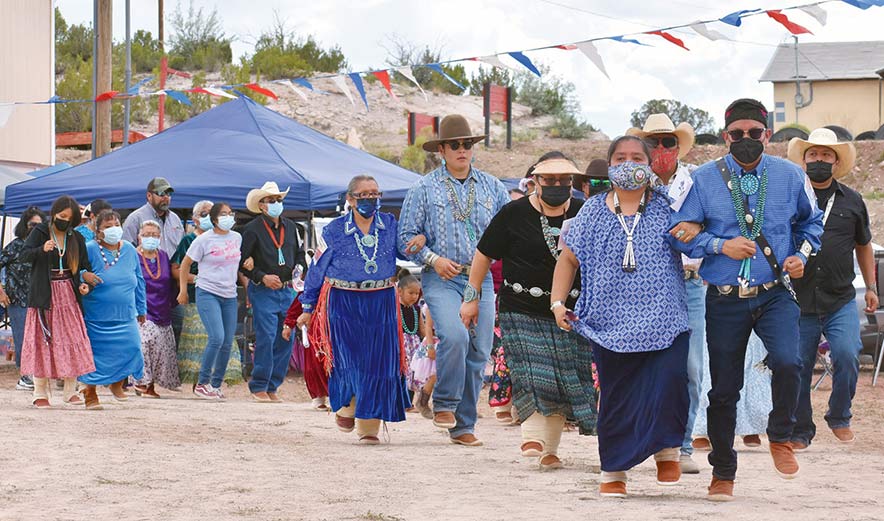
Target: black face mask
[[747, 150], [819, 171], [61, 225], [555, 195]]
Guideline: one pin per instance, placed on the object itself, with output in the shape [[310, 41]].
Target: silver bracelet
[[716, 243]]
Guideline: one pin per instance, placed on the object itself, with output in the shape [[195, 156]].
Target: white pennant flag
[[588, 49], [408, 73], [817, 12], [218, 92], [341, 82], [494, 61], [296, 90], [6, 110], [701, 29]]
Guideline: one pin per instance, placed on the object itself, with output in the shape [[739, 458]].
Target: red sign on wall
[[497, 100], [418, 122]]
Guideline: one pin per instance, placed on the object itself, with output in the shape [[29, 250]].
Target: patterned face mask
[[629, 175]]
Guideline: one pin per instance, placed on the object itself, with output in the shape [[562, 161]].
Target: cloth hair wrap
[[745, 108]]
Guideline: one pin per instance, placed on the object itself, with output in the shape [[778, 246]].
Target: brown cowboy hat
[[452, 128]]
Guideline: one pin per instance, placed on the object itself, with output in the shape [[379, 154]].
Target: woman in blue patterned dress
[[632, 310]]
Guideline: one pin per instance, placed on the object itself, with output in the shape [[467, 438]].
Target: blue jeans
[[219, 318], [729, 321], [462, 354], [17, 315], [272, 352], [842, 331], [696, 300]]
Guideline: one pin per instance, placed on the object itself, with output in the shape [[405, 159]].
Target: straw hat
[[452, 128], [556, 165], [255, 196], [824, 137], [661, 124]]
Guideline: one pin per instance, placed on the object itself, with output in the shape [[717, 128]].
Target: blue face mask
[[205, 223], [274, 209], [150, 243], [226, 222], [367, 207], [113, 235]]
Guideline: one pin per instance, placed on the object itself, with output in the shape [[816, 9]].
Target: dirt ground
[[181, 458]]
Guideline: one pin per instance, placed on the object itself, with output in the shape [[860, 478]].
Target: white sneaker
[[205, 392], [24, 384], [218, 392]]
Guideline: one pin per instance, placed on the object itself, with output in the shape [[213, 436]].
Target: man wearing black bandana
[[826, 293]]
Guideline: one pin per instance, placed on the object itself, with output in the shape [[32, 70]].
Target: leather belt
[[464, 269], [691, 274], [60, 274], [365, 285], [728, 290], [535, 291]]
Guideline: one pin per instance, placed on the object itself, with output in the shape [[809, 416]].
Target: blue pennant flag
[[133, 90], [735, 18], [302, 82], [864, 4], [179, 97], [521, 58], [438, 68], [55, 99], [357, 81], [628, 40]]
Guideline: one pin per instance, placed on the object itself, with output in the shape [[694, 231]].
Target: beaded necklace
[[278, 243], [371, 266], [115, 254], [147, 267], [62, 250], [629, 264], [460, 213], [550, 233], [748, 184], [405, 328]]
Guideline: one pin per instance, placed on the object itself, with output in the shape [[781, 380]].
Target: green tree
[[73, 44], [493, 75], [146, 53], [403, 52], [242, 73], [281, 53], [198, 41], [677, 111]]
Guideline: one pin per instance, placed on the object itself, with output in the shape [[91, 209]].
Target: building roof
[[826, 61]]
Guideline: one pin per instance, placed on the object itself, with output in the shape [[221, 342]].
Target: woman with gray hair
[[193, 338], [157, 338]]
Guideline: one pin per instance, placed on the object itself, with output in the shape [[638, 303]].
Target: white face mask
[[112, 235], [226, 222]]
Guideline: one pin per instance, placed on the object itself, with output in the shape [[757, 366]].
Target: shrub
[[197, 40], [567, 126]]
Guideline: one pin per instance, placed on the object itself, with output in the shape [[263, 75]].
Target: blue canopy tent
[[221, 155]]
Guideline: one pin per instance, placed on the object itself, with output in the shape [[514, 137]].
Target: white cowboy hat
[[661, 124], [257, 194], [826, 138]]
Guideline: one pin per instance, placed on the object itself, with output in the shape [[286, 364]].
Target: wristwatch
[[470, 294], [556, 304], [873, 288]]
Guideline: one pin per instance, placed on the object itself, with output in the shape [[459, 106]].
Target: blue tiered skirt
[[364, 329]]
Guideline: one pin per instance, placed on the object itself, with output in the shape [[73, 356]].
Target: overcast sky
[[708, 77]]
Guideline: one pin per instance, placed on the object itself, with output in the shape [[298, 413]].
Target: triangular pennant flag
[[628, 40], [105, 96], [521, 58], [133, 90], [862, 4], [212, 91], [588, 49], [701, 29], [304, 83], [384, 78], [342, 86], [494, 61], [817, 12], [669, 38], [178, 96], [357, 81], [567, 47], [55, 99], [736, 18], [788, 24], [6, 110], [296, 90], [438, 68], [261, 90], [409, 75]]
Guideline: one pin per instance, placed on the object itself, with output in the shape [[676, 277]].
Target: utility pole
[[128, 77], [161, 102], [102, 63]]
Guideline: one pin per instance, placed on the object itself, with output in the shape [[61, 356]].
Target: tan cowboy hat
[[257, 194], [556, 165], [661, 124], [452, 128], [824, 137]]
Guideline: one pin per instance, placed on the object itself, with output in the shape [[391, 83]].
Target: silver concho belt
[[535, 291], [361, 286]]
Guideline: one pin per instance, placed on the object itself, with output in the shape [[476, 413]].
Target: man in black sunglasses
[[756, 209], [159, 197]]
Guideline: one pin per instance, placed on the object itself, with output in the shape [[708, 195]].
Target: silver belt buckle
[[747, 292], [725, 290]]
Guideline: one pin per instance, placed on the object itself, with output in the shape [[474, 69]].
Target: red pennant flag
[[199, 90], [105, 96], [567, 47], [384, 78], [788, 24], [670, 38], [261, 90]]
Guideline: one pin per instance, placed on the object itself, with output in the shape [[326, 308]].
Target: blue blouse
[[342, 258], [121, 295], [625, 312]]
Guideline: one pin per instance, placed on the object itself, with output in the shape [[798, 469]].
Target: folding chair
[[823, 358]]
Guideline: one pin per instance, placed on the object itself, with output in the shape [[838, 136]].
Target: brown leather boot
[[116, 389], [721, 490], [784, 460], [90, 396]]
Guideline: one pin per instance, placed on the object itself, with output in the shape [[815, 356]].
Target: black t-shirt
[[827, 284], [410, 318], [515, 235]]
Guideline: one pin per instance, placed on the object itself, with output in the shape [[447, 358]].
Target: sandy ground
[[180, 458]]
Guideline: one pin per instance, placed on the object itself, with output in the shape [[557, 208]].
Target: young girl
[[423, 366], [409, 294]]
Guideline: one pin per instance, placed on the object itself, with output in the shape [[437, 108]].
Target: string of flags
[[300, 86]]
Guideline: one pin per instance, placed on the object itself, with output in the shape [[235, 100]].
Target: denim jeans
[[17, 315], [219, 318], [842, 331], [272, 352], [774, 316], [696, 300], [461, 354]]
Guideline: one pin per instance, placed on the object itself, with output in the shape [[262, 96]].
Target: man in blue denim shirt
[[452, 206], [770, 195]]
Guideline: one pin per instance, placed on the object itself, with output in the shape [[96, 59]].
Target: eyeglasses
[[455, 145], [753, 133], [162, 193], [667, 142], [555, 180], [155, 235], [368, 195], [270, 200], [202, 214], [227, 214], [596, 183]]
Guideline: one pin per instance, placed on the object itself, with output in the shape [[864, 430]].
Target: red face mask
[[664, 160]]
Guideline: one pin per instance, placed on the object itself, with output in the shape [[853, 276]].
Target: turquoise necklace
[[748, 184], [459, 212], [62, 249], [405, 328], [368, 241]]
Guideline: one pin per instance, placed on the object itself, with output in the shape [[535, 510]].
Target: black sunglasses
[[605, 183], [754, 133], [555, 180], [163, 193], [455, 145], [667, 142]]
